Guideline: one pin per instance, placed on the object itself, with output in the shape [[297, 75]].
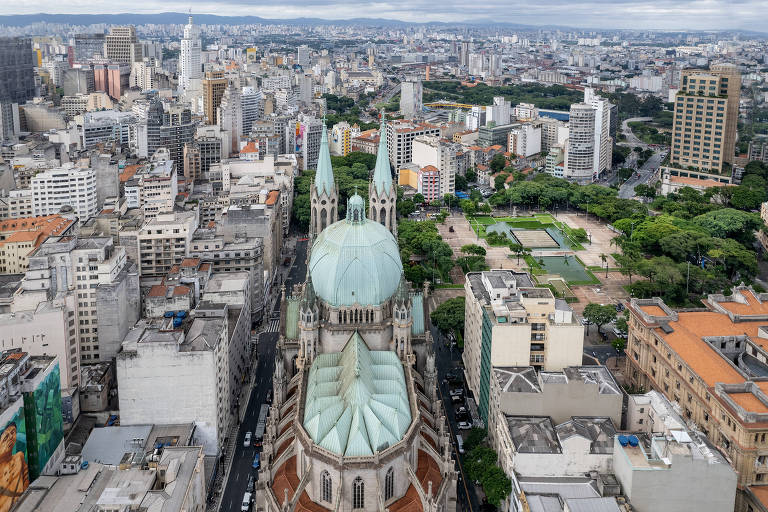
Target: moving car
[[460, 444], [256, 462], [251, 484], [246, 506], [247, 440], [465, 425]]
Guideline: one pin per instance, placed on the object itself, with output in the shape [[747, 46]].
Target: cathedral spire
[[324, 175], [382, 173]]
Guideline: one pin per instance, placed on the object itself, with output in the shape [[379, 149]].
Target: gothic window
[[389, 484], [383, 216], [327, 484], [358, 493]]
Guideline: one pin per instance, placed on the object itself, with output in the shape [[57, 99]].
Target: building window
[[358, 493], [389, 484], [326, 483]]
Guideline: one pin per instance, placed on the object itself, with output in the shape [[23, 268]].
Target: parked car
[[247, 440], [584, 321], [464, 425], [269, 396], [251, 484], [257, 461], [619, 333], [619, 307], [460, 444], [246, 506]]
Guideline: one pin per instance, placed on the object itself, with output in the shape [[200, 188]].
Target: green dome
[[355, 260]]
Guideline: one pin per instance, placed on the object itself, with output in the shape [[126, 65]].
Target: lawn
[[560, 231], [569, 268]]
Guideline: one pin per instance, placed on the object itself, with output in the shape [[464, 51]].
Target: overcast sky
[[642, 14]]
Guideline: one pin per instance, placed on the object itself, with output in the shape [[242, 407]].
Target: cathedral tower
[[323, 194], [382, 191]]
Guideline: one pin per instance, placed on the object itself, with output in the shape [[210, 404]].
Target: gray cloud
[[627, 14]]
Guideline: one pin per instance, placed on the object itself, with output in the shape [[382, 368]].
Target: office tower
[[302, 56], [65, 186], [603, 141], [706, 114], [410, 99], [109, 125], [252, 106], [171, 127], [580, 156], [500, 112], [189, 60], [306, 93], [464, 53], [122, 45], [17, 80], [309, 141], [214, 85], [192, 163], [88, 46], [230, 114]]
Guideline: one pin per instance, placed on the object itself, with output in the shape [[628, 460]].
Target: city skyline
[[689, 15]]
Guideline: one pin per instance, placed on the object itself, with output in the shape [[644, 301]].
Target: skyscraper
[[706, 113], [410, 98], [214, 85], [17, 81], [88, 46], [189, 61], [122, 45], [580, 156], [603, 141], [302, 56]]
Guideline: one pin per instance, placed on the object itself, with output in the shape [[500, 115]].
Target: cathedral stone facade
[[356, 422]]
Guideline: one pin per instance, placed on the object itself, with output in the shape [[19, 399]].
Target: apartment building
[[105, 282], [109, 126], [400, 135], [214, 85], [341, 138], [65, 186], [430, 150], [706, 114], [509, 322], [710, 362], [162, 242], [603, 141], [155, 186], [525, 140], [580, 150]]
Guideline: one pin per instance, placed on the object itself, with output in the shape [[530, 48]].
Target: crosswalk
[[274, 326]]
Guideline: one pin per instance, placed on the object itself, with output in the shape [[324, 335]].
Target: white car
[[247, 440], [464, 425]]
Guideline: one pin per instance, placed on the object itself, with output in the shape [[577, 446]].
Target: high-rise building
[[603, 140], [190, 66], [580, 154], [400, 135], [466, 47], [302, 56], [309, 132], [411, 99], [214, 85], [431, 150], [252, 105], [170, 126], [65, 186], [706, 115], [122, 45], [17, 80], [88, 46], [230, 115]]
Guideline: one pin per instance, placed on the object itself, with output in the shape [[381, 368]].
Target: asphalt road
[[243, 458], [627, 190], [445, 360]]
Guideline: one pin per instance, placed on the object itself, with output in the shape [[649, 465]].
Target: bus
[[260, 425]]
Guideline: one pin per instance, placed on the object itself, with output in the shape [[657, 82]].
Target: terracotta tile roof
[[752, 307], [190, 262], [23, 236], [653, 310], [429, 439], [696, 182], [430, 168], [129, 171], [410, 502], [284, 446], [205, 267], [686, 340], [749, 402], [428, 471], [285, 479], [272, 197], [181, 290], [249, 148], [760, 492], [157, 290], [306, 504]]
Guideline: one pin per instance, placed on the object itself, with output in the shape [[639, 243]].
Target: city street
[[445, 360], [237, 480]]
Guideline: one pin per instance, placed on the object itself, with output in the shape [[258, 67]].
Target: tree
[[473, 249], [405, 207], [599, 314], [418, 199], [449, 316], [518, 250], [498, 163], [499, 180], [604, 259], [471, 175], [730, 223], [486, 208], [475, 437], [644, 190], [460, 182], [468, 207]]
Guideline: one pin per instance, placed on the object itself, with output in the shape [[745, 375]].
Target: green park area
[[559, 232]]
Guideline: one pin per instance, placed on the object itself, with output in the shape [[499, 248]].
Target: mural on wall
[[44, 421], [14, 471]]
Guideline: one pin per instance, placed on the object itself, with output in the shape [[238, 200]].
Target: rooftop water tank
[[623, 440], [633, 441]]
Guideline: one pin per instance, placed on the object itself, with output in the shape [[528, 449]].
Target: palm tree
[[604, 258]]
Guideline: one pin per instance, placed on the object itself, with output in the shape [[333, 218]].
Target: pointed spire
[[324, 174], [382, 173], [308, 300], [402, 295]]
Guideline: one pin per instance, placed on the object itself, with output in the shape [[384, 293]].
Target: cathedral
[[356, 422]]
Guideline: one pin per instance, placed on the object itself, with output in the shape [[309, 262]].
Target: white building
[[525, 140], [65, 186], [411, 99], [109, 125], [252, 106], [431, 150], [580, 153], [500, 112], [190, 65], [161, 242], [603, 140], [400, 135]]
